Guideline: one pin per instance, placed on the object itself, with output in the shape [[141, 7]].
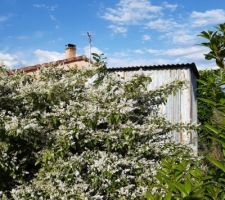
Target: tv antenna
[[90, 45]]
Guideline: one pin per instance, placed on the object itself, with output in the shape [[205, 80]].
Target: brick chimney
[[70, 51]]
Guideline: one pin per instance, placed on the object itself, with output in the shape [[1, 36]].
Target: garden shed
[[181, 107]]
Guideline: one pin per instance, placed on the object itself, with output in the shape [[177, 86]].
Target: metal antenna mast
[[90, 44]]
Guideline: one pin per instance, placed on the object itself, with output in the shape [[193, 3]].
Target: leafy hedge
[[83, 135]]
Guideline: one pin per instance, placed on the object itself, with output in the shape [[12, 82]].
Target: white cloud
[[121, 54], [50, 9], [184, 37], [154, 51], [128, 53], [169, 6], [17, 58], [45, 6], [158, 57], [25, 58], [162, 24], [93, 50], [139, 12], [125, 62], [139, 51], [47, 56], [39, 5], [183, 54], [128, 12], [54, 19], [9, 60], [186, 51], [146, 37], [135, 57], [208, 17], [118, 29]]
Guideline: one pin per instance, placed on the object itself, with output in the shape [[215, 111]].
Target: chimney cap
[[70, 45]]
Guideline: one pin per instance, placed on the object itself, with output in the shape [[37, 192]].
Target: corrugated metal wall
[[179, 108]]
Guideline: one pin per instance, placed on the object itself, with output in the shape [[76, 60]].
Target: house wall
[[181, 107], [78, 65], [72, 65]]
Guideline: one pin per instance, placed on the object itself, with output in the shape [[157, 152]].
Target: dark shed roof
[[191, 66]]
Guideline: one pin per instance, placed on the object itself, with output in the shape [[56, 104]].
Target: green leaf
[[149, 196], [188, 186], [206, 44], [219, 164], [208, 101], [209, 56], [222, 53], [168, 196], [205, 34], [181, 188], [218, 140], [196, 173], [222, 180], [202, 82], [210, 127], [220, 63], [3, 197], [222, 83]]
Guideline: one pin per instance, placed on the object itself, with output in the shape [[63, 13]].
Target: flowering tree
[[82, 134]]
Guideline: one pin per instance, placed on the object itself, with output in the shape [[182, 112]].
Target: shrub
[[82, 134]]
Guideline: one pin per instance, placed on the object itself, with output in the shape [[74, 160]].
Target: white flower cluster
[[81, 135]]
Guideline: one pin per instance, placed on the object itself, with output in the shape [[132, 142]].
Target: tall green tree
[[216, 43], [216, 124], [209, 90]]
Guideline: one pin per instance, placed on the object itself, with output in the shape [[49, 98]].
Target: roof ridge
[[35, 67]]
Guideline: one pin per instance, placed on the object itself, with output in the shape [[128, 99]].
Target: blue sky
[[128, 32]]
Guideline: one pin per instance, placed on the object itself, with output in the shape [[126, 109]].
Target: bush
[[82, 134]]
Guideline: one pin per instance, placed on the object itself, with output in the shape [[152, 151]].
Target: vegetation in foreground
[[92, 135], [83, 135]]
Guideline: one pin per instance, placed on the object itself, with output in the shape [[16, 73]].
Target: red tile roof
[[34, 68]]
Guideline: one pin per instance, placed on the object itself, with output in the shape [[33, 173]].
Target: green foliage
[[216, 44], [210, 92], [185, 178], [82, 134], [188, 179], [211, 114], [214, 123], [178, 179], [218, 134]]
